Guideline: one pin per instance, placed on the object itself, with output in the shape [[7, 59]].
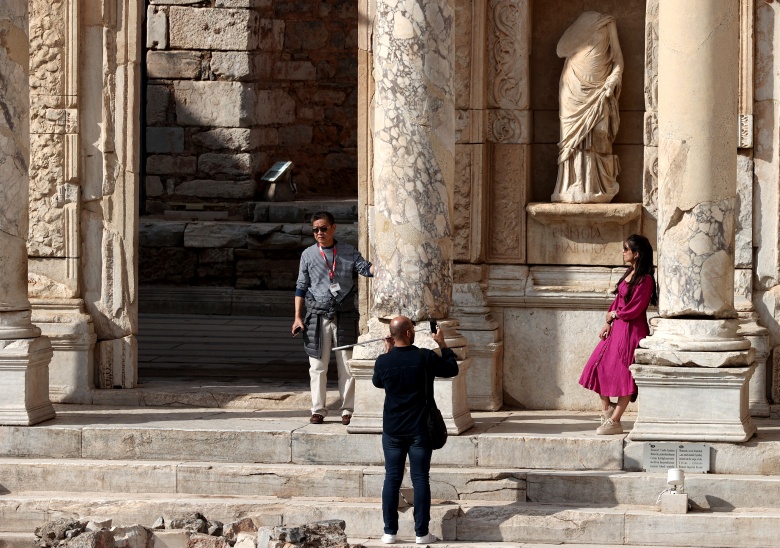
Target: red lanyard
[[331, 269]]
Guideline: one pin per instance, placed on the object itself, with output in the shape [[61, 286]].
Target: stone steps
[[466, 521], [706, 491], [546, 440]]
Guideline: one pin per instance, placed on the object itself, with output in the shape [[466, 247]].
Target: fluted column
[[414, 146], [693, 372], [413, 179], [24, 355]]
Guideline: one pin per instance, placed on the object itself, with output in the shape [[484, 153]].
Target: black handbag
[[437, 430]]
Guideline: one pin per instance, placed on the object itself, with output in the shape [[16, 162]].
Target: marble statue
[[589, 90]]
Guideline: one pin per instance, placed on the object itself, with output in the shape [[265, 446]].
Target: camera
[[434, 325]]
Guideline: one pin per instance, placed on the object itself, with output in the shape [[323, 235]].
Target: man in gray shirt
[[325, 311]]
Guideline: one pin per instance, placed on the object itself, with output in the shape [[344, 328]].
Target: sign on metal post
[[691, 457]]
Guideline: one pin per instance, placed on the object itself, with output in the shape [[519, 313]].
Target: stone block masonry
[[236, 85]]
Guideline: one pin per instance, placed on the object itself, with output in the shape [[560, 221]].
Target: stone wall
[[260, 254], [236, 85]]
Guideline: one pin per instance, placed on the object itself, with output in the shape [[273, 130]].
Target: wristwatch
[[614, 315]]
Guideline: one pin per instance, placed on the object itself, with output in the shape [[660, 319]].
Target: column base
[[72, 336], [449, 394], [693, 404], [24, 380]]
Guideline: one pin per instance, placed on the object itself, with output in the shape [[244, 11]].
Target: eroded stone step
[[706, 491], [498, 440], [466, 521], [281, 480]]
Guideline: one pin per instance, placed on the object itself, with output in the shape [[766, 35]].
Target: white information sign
[[691, 457]]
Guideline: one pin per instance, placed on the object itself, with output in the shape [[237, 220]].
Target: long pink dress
[[606, 372]]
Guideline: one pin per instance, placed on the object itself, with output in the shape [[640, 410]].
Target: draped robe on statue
[[588, 91]]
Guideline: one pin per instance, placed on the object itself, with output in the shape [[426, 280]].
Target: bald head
[[402, 330]]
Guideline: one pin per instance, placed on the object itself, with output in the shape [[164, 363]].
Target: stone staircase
[[516, 478]]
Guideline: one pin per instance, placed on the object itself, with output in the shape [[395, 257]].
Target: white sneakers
[[609, 427], [427, 539]]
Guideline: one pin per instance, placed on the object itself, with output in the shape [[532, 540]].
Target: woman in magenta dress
[[606, 372]]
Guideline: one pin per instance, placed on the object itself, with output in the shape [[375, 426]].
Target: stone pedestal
[[692, 404], [24, 381], [449, 394], [693, 378], [72, 336]]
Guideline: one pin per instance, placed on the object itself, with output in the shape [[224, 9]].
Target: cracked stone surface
[[414, 145]]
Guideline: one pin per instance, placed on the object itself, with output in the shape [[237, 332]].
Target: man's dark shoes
[[345, 419], [317, 419]]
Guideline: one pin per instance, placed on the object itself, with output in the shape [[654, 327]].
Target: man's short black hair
[[327, 215]]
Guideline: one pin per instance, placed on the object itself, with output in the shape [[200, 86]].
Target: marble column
[[413, 182], [24, 354], [693, 372]]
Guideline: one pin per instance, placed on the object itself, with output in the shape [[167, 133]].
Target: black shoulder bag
[[437, 430]]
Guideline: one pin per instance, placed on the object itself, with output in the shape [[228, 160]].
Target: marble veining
[[696, 274], [414, 143]]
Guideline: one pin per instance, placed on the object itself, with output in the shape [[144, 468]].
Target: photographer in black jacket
[[403, 371]]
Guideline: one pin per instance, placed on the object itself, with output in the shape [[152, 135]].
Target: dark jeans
[[396, 448]]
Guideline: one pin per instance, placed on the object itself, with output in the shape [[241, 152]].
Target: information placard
[[691, 457]]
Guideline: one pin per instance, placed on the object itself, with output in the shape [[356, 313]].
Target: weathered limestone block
[[154, 186], [156, 28], [174, 64], [240, 190], [580, 233], [222, 104], [157, 100], [170, 165], [238, 139], [295, 70], [97, 539], [134, 536], [161, 234], [274, 107], [214, 163], [164, 140], [215, 234], [295, 135], [214, 29], [232, 65], [199, 540]]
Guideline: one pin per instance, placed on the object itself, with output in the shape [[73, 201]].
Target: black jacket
[[402, 373]]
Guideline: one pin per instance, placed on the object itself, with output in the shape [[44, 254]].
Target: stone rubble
[[191, 531]]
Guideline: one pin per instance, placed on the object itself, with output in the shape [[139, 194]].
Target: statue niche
[[588, 93]]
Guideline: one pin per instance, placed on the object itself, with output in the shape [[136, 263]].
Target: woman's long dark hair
[[642, 267]]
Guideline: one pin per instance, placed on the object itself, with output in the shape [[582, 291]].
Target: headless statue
[[588, 93]]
